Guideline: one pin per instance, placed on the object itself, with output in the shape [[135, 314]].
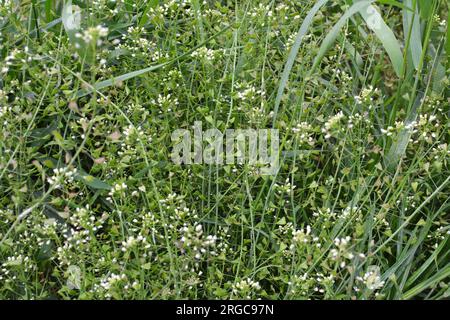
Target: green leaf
[[92, 181], [398, 147], [144, 18], [335, 31], [425, 8], [395, 3], [411, 30], [447, 43], [385, 34], [424, 266], [428, 283]]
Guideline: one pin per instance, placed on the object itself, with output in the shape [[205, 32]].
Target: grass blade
[[398, 147], [411, 24], [433, 280], [425, 8], [447, 44], [293, 54], [150, 5], [333, 34], [427, 263], [386, 36]]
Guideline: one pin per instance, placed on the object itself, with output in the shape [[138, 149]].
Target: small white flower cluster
[[343, 77], [170, 8], [171, 197], [389, 131], [205, 54], [324, 213], [166, 102], [348, 211], [131, 131], [250, 93], [84, 218], [4, 109], [246, 287], [141, 188], [439, 235], [300, 237], [290, 41], [192, 238], [366, 94], [19, 261], [93, 34], [358, 118], [303, 130], [15, 260], [322, 281], [262, 11], [113, 279], [287, 188], [133, 137], [9, 60], [331, 123], [307, 284], [428, 125], [114, 284], [132, 242], [118, 188], [438, 20], [342, 253], [135, 108], [134, 42], [371, 279], [60, 176]]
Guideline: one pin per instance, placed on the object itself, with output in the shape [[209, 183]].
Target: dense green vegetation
[[92, 207]]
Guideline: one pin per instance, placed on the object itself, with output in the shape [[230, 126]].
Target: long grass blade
[[411, 24], [334, 32], [398, 147], [433, 280], [447, 43], [293, 54], [386, 36]]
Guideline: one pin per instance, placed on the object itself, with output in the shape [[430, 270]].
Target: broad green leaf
[[92, 181], [411, 30], [438, 74], [425, 7]]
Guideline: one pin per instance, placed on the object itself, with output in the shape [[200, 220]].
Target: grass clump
[[92, 207]]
